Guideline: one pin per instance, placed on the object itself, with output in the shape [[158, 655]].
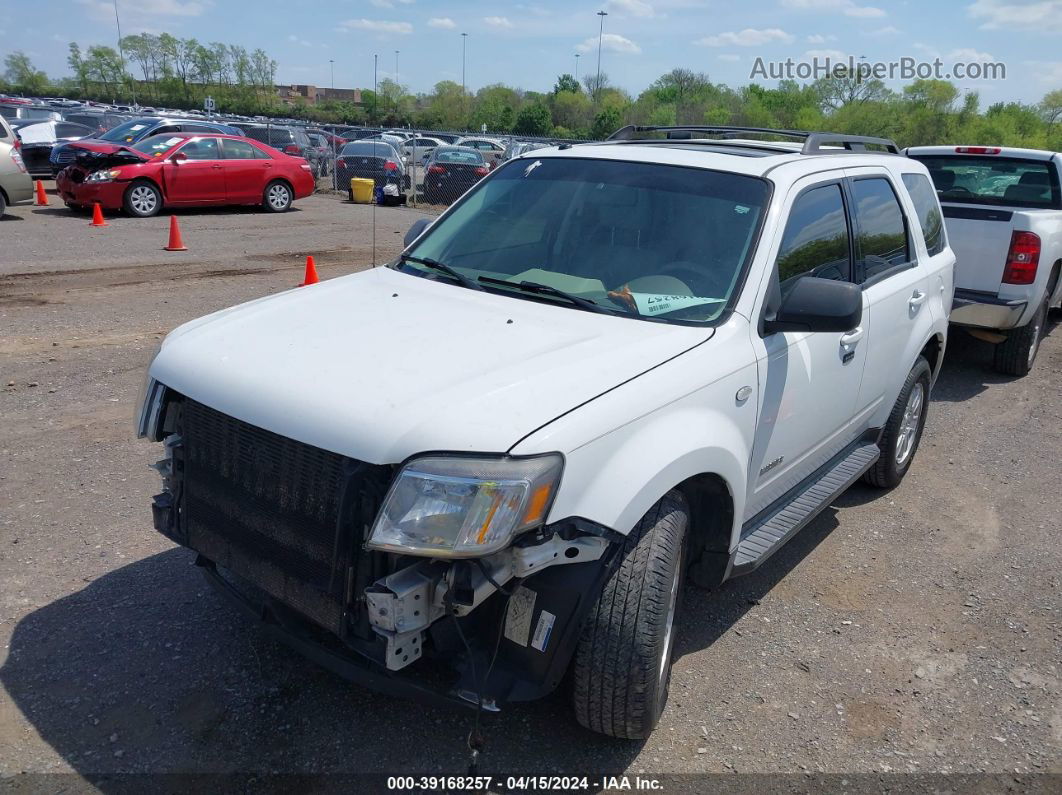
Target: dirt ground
[[911, 631]]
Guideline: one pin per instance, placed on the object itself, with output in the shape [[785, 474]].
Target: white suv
[[604, 369]]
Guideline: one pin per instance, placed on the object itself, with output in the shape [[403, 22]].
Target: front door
[[809, 381], [199, 178]]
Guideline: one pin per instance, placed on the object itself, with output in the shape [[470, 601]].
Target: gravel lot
[[917, 630]]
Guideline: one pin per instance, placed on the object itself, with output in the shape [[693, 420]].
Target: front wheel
[[899, 441], [142, 199], [1016, 354], [622, 665], [277, 197]]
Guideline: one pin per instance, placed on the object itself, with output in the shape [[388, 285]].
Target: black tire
[[142, 199], [622, 665], [277, 197], [1016, 354], [3, 204], [890, 468]]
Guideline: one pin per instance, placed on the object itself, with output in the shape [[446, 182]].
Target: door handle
[[216, 165], [853, 336], [917, 299]]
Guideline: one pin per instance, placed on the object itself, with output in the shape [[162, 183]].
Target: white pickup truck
[[1003, 212]]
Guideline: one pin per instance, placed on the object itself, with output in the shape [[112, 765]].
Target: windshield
[[157, 145], [639, 238], [127, 132], [962, 179]]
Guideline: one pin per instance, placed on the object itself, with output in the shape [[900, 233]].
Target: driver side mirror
[[814, 304], [178, 157], [416, 230]]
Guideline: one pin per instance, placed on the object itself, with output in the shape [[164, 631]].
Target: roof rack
[[815, 143]]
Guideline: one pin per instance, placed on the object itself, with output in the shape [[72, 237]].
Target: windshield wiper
[[457, 276], [545, 289]]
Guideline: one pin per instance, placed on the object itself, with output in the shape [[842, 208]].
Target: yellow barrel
[[361, 190]]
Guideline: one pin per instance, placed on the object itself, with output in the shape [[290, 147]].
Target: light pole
[[464, 40], [332, 72], [396, 66], [121, 52], [600, 35], [576, 67], [375, 63]]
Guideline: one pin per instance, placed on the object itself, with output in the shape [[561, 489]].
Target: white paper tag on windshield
[[518, 616], [172, 141], [657, 303]]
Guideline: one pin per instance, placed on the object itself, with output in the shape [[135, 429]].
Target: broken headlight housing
[[107, 175], [460, 507]]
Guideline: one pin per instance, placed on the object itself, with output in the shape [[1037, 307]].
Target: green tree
[[1051, 106], [606, 122], [567, 84], [20, 72], [77, 66], [571, 110], [533, 119]]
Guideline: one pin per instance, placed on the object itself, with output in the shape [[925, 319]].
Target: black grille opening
[[289, 517]]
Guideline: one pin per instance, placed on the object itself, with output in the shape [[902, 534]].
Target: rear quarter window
[[924, 198]]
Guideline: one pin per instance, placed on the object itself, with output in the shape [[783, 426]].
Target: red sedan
[[185, 170]]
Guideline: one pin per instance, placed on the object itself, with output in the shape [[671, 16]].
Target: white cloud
[[634, 8], [442, 22], [377, 26], [888, 30], [997, 14], [296, 40], [833, 56], [818, 38], [728, 56], [610, 42], [969, 54], [846, 7], [1047, 72], [749, 37], [498, 22], [390, 3]]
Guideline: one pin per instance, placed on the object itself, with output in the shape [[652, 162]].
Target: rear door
[[247, 169], [199, 179], [896, 289]]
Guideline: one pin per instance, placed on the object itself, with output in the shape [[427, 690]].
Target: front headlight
[[102, 176], [455, 507]]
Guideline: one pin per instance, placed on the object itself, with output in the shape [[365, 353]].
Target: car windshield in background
[[127, 132], [157, 145], [964, 179], [458, 156], [368, 149], [633, 238]]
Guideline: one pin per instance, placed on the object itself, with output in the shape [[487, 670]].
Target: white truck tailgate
[[980, 238]]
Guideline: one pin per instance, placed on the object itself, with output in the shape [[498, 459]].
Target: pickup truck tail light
[[1022, 259], [978, 150]]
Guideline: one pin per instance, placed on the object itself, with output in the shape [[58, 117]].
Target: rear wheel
[[903, 431], [277, 198], [142, 199], [622, 665], [3, 205], [1016, 354]]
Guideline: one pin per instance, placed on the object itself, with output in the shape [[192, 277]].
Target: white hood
[[381, 365]]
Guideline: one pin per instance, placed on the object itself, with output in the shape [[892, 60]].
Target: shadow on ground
[[147, 670]]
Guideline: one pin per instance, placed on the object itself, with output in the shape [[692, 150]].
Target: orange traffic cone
[[311, 273], [176, 244], [42, 197], [97, 216]]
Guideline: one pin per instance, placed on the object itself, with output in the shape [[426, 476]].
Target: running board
[[781, 522]]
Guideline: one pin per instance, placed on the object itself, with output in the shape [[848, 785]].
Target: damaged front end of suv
[[438, 578]]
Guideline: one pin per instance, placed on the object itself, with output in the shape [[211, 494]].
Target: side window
[[925, 201], [166, 130], [203, 149], [237, 150], [882, 239], [816, 238]]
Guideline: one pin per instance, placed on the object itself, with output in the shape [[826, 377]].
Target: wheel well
[[1052, 283], [4, 194], [932, 354], [148, 180], [281, 179], [711, 521]]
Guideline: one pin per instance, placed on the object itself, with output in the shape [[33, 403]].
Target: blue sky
[[529, 44]]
